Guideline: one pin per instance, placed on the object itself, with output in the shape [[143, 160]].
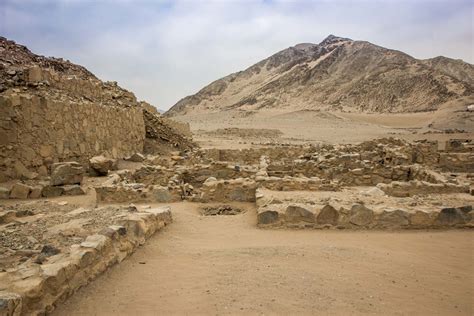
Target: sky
[[164, 50]]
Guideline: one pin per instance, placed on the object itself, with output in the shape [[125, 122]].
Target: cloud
[[165, 50]]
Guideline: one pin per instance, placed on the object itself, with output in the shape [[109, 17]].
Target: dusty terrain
[[272, 127], [223, 265]]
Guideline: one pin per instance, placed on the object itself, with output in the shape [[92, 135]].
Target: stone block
[[296, 214], [73, 189], [66, 173], [393, 219], [36, 192], [52, 191], [267, 217], [328, 215], [361, 215], [451, 217], [4, 193], [20, 191], [101, 165]]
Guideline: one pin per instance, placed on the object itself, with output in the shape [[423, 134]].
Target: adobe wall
[[37, 130]]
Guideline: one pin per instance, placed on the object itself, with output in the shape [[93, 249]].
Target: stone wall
[[297, 215], [34, 289], [36, 131]]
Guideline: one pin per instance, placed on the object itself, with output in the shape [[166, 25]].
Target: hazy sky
[[165, 50]]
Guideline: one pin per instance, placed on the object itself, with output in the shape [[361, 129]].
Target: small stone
[[136, 157], [49, 250], [4, 193]]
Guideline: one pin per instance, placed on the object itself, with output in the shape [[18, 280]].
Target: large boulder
[[36, 192], [296, 214], [268, 217], [328, 215], [66, 173], [101, 165], [451, 216], [20, 191], [73, 189], [393, 219], [421, 219], [52, 191], [361, 215]]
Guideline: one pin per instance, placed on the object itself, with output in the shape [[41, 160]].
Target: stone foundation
[[37, 289]]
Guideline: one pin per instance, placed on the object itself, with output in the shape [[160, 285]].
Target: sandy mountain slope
[[338, 74]]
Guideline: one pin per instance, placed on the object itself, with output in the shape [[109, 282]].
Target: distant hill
[[337, 74]]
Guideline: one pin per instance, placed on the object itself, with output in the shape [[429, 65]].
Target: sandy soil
[[223, 265], [305, 126]]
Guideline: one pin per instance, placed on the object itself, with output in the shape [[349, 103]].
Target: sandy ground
[[301, 127], [223, 265]]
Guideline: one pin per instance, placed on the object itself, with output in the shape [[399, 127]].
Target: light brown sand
[[301, 127]]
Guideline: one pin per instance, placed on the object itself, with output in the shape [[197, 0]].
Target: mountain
[[337, 74]]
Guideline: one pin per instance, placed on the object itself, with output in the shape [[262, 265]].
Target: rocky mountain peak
[[333, 39]]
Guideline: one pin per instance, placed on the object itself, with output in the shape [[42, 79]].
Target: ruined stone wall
[[252, 156], [38, 130]]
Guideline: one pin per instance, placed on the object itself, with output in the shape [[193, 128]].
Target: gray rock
[[10, 303], [20, 191], [393, 219], [268, 217], [74, 189], [51, 191], [66, 173], [161, 194], [136, 157], [49, 250], [4, 193], [101, 165], [451, 216], [295, 214], [361, 215], [328, 215], [36, 192]]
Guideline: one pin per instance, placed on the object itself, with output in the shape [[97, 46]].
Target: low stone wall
[[37, 289], [299, 215], [241, 190], [36, 131], [297, 184], [457, 162], [252, 156], [411, 188], [136, 192]]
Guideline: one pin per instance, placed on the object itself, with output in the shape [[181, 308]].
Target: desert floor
[[306, 126], [219, 265]]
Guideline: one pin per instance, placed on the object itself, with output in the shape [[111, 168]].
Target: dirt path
[[224, 265]]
